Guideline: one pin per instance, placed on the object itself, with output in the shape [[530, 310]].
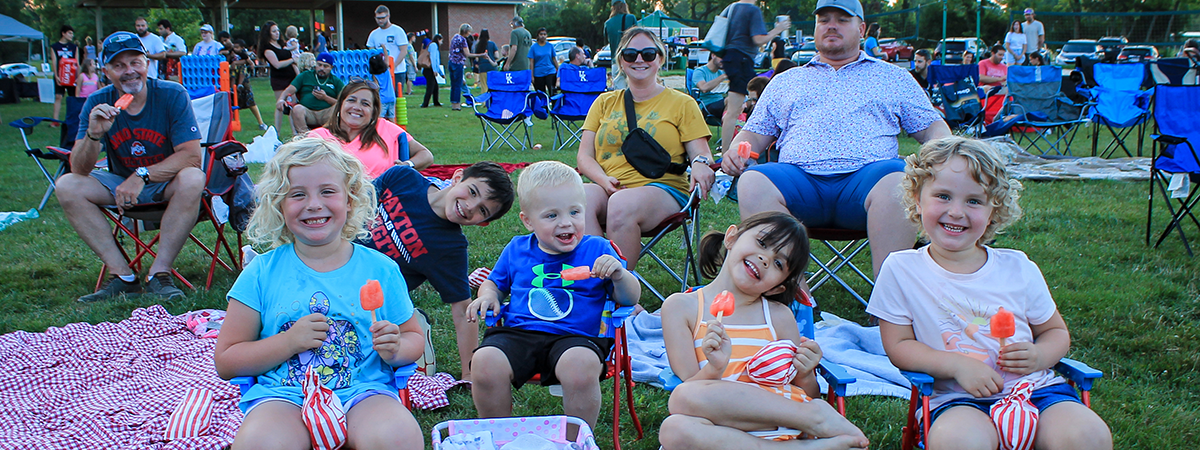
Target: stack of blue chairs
[[201, 74], [353, 63]]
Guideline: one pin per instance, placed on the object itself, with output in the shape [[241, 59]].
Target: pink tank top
[[376, 160]]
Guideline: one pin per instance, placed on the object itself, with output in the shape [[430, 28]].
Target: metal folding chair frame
[[856, 242], [685, 219], [1185, 206]]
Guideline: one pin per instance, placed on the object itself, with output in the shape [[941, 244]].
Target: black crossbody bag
[[644, 153]]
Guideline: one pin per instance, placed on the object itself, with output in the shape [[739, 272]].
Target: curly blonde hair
[[267, 224], [306, 61], [986, 168]]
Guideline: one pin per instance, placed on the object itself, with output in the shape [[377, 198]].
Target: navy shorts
[[828, 201], [534, 352], [740, 69], [1042, 398]]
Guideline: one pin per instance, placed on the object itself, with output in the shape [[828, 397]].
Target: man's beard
[[131, 84]]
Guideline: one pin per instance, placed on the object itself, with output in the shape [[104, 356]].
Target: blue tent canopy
[[13, 31]]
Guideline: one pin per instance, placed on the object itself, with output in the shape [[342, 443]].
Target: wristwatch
[[701, 159], [143, 173]]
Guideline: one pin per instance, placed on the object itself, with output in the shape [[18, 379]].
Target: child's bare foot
[[828, 423], [833, 443]]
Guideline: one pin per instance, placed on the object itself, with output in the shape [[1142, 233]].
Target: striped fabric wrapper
[[191, 416], [1016, 418], [477, 277], [772, 364], [322, 413]]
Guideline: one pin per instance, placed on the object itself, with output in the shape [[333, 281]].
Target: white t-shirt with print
[[154, 45], [393, 39], [952, 312]]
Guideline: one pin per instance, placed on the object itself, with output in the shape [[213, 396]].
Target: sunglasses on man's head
[[648, 54]]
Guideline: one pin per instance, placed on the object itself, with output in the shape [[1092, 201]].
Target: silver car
[[807, 52], [1076, 48], [14, 70]]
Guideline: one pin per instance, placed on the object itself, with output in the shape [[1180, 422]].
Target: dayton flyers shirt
[[149, 137]]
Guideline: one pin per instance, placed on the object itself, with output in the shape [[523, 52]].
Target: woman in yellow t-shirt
[[622, 201]]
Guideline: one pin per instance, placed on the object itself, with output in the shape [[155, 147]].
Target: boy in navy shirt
[[420, 227], [551, 323]]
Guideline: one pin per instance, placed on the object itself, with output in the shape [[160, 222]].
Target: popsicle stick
[[372, 316]]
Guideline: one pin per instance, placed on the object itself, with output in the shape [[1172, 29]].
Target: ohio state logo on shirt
[[138, 149]]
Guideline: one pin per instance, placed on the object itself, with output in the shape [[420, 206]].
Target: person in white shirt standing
[[207, 45], [156, 50], [176, 48], [393, 39], [1035, 33]]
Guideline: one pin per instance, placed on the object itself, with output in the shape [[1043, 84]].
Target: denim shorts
[[387, 110], [828, 201], [299, 401], [1042, 398], [152, 193]]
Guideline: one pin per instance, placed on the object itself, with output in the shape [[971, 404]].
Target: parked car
[[603, 58], [1137, 53], [954, 48], [562, 45], [697, 54], [1076, 48], [14, 70], [896, 49], [1110, 47], [807, 52]]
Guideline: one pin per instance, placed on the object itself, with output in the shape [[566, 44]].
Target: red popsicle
[[1003, 325], [722, 305], [371, 296], [577, 273], [124, 101], [744, 151]]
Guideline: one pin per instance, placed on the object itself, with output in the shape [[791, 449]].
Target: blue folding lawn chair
[[1175, 169], [1120, 106], [508, 105], [1046, 120], [1175, 71], [709, 118], [955, 89], [69, 127], [579, 87]]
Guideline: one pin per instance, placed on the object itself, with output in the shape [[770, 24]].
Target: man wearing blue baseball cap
[[153, 147], [318, 90], [835, 121]]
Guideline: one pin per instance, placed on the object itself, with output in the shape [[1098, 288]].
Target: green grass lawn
[[1134, 311]]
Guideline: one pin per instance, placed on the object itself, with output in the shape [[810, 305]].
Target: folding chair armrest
[[482, 99], [29, 122], [556, 97], [490, 319], [922, 381], [402, 374], [668, 379], [243, 383], [620, 314], [1079, 373], [1168, 139], [836, 376]]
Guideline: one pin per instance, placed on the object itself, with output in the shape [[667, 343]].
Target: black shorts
[[534, 352], [545, 83], [245, 96], [740, 69], [69, 91]]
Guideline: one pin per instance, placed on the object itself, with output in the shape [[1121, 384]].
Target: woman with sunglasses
[[355, 126], [628, 202]]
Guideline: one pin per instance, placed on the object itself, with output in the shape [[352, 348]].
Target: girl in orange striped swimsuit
[[718, 406]]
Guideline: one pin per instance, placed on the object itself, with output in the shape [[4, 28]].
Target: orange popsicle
[[577, 273], [722, 305], [371, 296], [1003, 325], [124, 101], [744, 151]]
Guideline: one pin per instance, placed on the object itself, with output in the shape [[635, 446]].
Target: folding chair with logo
[[1121, 106], [579, 87], [1174, 166], [709, 118], [619, 365], [954, 88], [508, 105], [69, 127], [1041, 110]]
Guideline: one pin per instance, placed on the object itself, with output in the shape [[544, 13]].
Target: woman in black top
[[279, 63], [487, 62]]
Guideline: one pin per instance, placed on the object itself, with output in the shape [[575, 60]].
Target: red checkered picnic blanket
[[109, 385], [446, 171]]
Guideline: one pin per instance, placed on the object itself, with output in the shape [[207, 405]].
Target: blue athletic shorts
[[152, 193], [299, 401], [1041, 399], [828, 201]]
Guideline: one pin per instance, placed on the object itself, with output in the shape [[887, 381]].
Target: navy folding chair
[[508, 105], [1175, 71], [578, 87], [1174, 166], [955, 89], [1120, 106], [1047, 120], [69, 127]]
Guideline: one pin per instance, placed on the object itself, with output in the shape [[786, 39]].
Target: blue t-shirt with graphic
[[539, 299], [387, 89], [149, 137], [408, 231], [283, 289], [543, 59]]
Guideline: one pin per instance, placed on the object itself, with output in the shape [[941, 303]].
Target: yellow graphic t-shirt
[[671, 117]]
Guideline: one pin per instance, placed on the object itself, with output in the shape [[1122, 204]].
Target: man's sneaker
[[262, 126], [115, 287], [162, 285]]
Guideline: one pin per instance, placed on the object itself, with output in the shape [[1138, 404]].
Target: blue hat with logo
[[851, 7], [325, 57], [119, 42]]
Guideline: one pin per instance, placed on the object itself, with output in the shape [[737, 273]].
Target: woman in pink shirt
[[355, 121]]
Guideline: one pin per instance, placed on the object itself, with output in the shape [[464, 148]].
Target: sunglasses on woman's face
[[648, 54]]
